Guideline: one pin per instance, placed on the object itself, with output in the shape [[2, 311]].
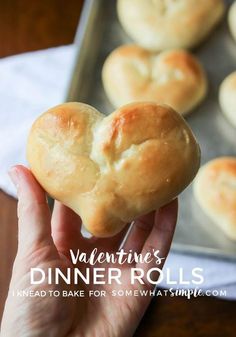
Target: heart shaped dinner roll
[[176, 78], [215, 191], [165, 24], [112, 169]]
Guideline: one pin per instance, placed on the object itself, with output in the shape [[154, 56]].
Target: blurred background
[[27, 25]]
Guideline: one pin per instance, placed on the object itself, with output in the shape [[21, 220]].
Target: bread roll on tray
[[232, 20], [215, 191], [227, 97], [176, 78], [164, 24]]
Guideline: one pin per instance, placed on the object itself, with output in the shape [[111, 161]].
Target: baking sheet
[[98, 34]]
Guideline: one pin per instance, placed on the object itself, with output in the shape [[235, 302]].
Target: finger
[[34, 228], [139, 231], [161, 236], [66, 227]]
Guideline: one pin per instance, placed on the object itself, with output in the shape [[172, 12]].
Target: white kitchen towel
[[31, 83], [218, 275]]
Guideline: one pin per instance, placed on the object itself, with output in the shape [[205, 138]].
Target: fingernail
[[13, 174]]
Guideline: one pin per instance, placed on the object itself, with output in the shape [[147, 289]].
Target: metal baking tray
[[99, 32]]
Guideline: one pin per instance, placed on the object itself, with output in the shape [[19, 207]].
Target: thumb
[[34, 219]]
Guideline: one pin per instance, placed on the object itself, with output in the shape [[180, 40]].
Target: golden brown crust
[[132, 74], [112, 169], [215, 191], [163, 24]]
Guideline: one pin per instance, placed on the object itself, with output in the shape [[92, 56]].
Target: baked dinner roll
[[112, 169], [175, 77], [227, 97], [215, 191], [165, 24], [232, 20]]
